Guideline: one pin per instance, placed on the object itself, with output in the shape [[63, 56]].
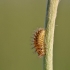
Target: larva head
[[41, 52], [39, 41]]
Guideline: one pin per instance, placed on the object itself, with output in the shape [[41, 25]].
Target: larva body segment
[[39, 44]]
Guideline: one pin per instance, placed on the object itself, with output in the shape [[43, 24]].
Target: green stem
[[52, 6]]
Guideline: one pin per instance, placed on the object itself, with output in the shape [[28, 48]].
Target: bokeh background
[[18, 20]]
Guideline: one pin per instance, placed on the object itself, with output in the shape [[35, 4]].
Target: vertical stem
[[52, 6]]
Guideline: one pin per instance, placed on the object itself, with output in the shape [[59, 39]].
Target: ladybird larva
[[38, 42]]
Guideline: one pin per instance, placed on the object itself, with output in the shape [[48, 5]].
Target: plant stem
[[51, 13]]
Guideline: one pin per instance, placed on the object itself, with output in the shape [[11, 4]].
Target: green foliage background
[[18, 20]]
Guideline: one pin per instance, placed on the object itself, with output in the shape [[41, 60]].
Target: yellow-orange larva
[[38, 42]]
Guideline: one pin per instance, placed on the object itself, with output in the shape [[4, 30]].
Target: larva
[[38, 41]]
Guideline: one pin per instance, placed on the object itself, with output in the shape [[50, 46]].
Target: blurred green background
[[18, 20]]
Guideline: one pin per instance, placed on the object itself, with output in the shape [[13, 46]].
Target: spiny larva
[[38, 41]]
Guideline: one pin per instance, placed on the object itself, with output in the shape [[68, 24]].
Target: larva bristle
[[32, 47]]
